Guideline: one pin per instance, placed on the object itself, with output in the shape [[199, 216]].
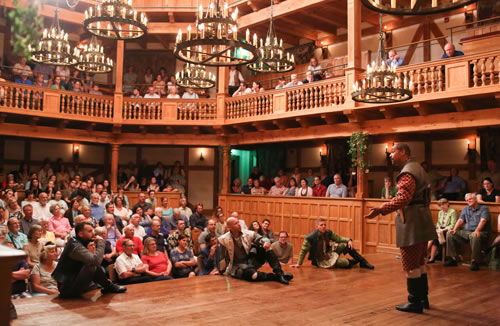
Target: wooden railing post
[[115, 151], [222, 90]]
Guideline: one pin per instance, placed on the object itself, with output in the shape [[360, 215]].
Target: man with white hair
[[172, 220], [294, 81], [449, 51], [96, 210], [246, 251], [278, 189], [128, 232], [41, 209], [394, 59]]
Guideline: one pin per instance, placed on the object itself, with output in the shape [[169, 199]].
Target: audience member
[[148, 76], [110, 253], [41, 210], [256, 227], [110, 210], [21, 68], [496, 241], [268, 233], [210, 229], [78, 267], [135, 223], [190, 94], [15, 235], [316, 69], [336, 189], [27, 221], [128, 233], [319, 190], [323, 254], [59, 225], [488, 193], [198, 220], [20, 273], [173, 238], [112, 231], [394, 59], [491, 173], [257, 188], [447, 218], [294, 81], [281, 83], [220, 225], [151, 93], [47, 236], [129, 80], [247, 189], [159, 266], [434, 179], [142, 203], [388, 191], [278, 189], [283, 249], [185, 210], [42, 282], [172, 93], [236, 187], [257, 87], [210, 256], [449, 51], [57, 84], [309, 77], [171, 223], [129, 267], [33, 246], [453, 186], [304, 190], [59, 201], [292, 187], [242, 90], [475, 220], [155, 233], [182, 259]]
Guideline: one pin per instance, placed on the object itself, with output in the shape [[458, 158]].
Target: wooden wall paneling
[[173, 197], [298, 217]]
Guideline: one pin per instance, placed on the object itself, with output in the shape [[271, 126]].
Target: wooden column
[[222, 91], [353, 45], [115, 151], [118, 95], [226, 169]]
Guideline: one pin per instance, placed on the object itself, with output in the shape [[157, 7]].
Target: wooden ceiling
[[323, 21]]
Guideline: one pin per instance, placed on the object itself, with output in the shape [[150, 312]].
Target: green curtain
[[270, 159]]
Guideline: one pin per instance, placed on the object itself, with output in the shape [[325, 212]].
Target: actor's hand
[[266, 245], [453, 231], [477, 234], [349, 244], [373, 213]]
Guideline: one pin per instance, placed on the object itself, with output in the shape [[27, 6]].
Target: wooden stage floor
[[314, 297]]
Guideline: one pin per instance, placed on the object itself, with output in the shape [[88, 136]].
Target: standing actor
[[414, 226], [78, 266]]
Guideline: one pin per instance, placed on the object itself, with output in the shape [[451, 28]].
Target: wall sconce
[[323, 152], [201, 155], [388, 153], [472, 153], [76, 151]]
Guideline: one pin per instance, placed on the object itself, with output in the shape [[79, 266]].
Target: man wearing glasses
[[475, 220]]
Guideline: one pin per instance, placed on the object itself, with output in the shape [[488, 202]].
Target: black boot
[[276, 266], [414, 305], [363, 263], [424, 284]]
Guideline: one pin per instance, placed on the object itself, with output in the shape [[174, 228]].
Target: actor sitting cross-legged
[[323, 254], [78, 267], [245, 252]]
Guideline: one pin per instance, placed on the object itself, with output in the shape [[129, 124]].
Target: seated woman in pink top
[[59, 225]]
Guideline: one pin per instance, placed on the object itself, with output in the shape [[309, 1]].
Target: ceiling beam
[[167, 28], [459, 104], [282, 9], [422, 108], [290, 25]]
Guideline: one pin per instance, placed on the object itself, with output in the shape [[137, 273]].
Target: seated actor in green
[[325, 248]]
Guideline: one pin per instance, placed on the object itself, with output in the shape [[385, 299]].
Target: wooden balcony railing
[[249, 105], [451, 78], [310, 96]]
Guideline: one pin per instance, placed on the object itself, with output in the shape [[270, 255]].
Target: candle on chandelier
[[393, 4], [247, 36], [226, 9], [200, 12], [235, 32], [211, 9], [255, 40], [219, 31], [189, 33]]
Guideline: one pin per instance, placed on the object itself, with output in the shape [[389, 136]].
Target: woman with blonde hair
[[159, 266], [447, 218], [41, 275]]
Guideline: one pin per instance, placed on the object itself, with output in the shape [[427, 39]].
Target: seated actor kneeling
[[78, 267], [325, 255], [245, 252], [129, 266]]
